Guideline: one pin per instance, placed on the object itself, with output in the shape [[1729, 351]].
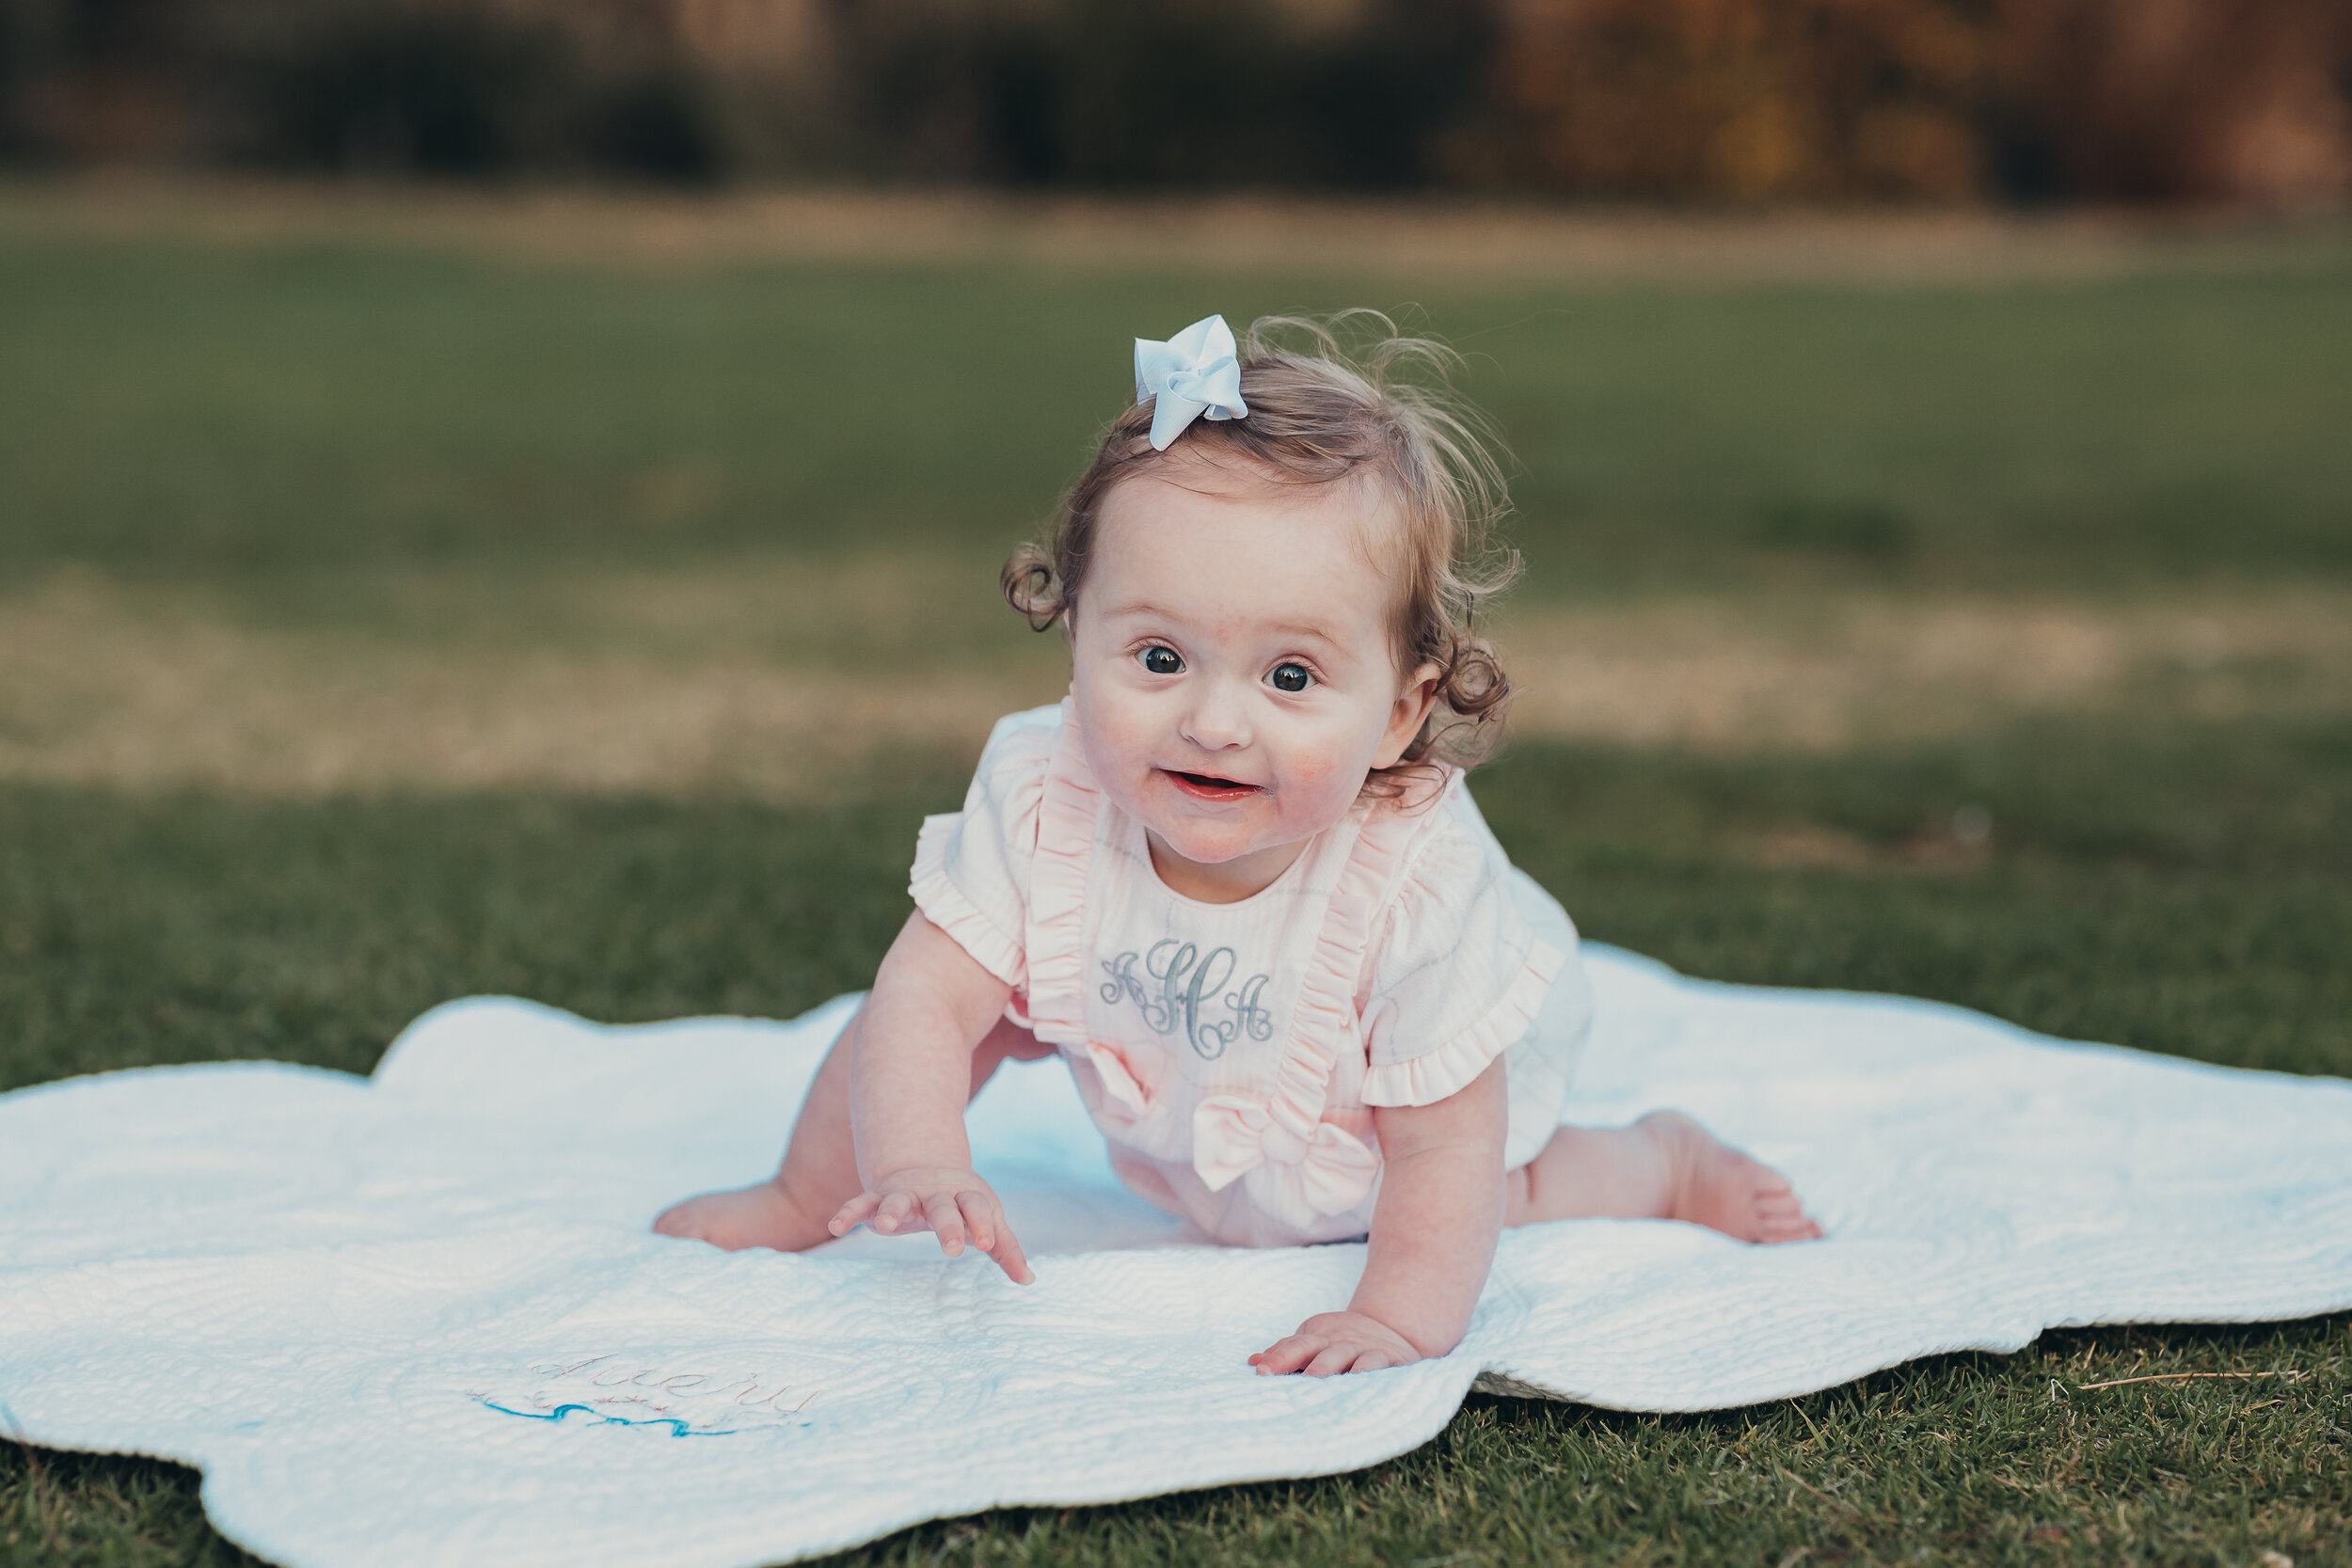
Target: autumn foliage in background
[[1708, 101], [1846, 100]]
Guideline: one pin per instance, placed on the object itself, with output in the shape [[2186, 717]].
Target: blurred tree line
[[1692, 100]]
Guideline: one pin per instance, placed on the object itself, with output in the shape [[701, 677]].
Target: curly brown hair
[[1321, 413]]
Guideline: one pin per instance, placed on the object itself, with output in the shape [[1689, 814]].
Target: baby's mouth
[[1208, 786]]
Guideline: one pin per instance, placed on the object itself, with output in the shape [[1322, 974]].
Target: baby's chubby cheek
[[1307, 790], [1316, 791]]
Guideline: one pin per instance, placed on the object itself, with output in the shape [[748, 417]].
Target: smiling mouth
[[1208, 786]]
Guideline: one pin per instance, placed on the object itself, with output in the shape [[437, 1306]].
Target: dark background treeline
[[1688, 100]]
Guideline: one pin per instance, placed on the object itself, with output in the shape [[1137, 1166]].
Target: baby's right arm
[[910, 1078]]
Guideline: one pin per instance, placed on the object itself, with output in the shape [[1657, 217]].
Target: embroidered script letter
[[1176, 980]]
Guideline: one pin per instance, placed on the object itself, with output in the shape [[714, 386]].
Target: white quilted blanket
[[419, 1320]]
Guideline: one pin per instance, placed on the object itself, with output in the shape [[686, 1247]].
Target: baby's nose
[[1218, 722], [1217, 718]]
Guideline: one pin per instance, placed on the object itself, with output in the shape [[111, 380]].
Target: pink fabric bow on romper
[[1292, 1175]]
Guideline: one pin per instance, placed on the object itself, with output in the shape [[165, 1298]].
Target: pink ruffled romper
[[1231, 1054]]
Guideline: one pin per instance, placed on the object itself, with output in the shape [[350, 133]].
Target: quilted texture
[[419, 1319]]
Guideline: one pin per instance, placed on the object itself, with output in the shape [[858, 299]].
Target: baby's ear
[[1414, 700]]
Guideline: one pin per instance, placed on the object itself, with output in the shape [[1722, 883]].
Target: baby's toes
[[709, 1218], [1779, 1217], [1282, 1358]]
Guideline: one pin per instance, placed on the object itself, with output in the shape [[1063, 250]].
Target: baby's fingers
[[991, 1235], [945, 1221], [1333, 1360], [896, 1209], [979, 1218], [854, 1213]]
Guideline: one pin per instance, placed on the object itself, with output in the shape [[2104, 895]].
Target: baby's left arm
[[1433, 1238]]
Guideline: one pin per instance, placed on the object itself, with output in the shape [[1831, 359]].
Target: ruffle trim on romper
[[1066, 819], [1425, 1079], [1294, 1167], [948, 906]]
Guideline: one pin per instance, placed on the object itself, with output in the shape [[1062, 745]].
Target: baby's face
[[1232, 670]]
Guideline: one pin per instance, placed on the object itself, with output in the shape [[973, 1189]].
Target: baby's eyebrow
[[1143, 607], [1310, 631], [1305, 631]]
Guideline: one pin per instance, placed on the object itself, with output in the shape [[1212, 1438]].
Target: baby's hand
[[1333, 1342], [955, 1205]]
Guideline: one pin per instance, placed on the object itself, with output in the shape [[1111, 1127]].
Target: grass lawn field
[[385, 622]]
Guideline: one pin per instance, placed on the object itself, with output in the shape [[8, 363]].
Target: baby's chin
[[1209, 849], [1219, 838]]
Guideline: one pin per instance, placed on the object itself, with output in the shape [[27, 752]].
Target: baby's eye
[[1291, 677], [1162, 662]]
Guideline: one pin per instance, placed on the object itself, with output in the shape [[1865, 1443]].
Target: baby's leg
[[1665, 1166], [788, 1211]]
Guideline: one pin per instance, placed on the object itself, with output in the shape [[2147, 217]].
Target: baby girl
[[1235, 881]]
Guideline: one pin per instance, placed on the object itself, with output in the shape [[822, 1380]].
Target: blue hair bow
[[1195, 373]]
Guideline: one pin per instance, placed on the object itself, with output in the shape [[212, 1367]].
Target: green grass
[[292, 428], [2183, 891], [242, 412]]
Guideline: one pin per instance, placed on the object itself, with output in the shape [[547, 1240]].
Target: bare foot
[[762, 1214], [1717, 1186]]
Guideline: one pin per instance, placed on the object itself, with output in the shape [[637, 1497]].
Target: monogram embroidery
[[1176, 980]]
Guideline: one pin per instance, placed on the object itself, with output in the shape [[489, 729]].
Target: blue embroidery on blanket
[[1182, 978], [598, 1417]]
